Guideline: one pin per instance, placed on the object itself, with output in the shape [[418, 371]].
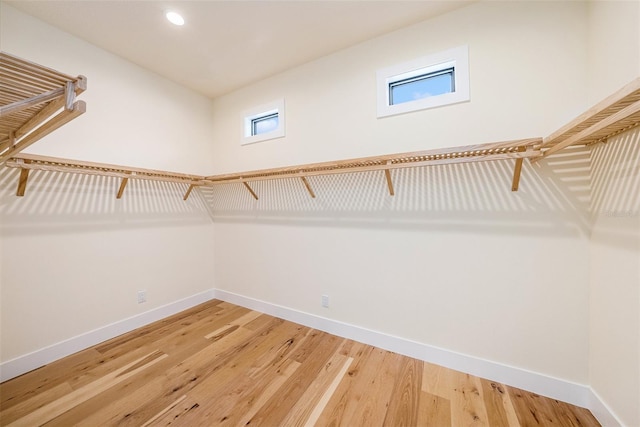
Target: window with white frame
[[263, 122], [433, 81]]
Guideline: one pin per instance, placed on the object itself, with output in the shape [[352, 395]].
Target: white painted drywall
[[134, 117], [614, 327], [614, 46], [528, 74], [77, 255], [455, 259]]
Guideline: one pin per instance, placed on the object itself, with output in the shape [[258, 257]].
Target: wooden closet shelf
[[473, 153], [615, 114], [484, 152], [517, 150], [30, 97], [31, 94], [55, 164]]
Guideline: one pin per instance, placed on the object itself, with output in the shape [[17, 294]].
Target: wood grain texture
[[521, 148], [620, 120], [22, 182], [189, 190], [218, 364], [387, 175], [23, 104], [30, 95], [56, 164], [617, 101], [255, 196], [517, 170], [38, 92], [308, 187], [123, 185], [54, 123]]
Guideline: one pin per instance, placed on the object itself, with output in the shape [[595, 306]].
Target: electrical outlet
[[325, 301], [142, 297]]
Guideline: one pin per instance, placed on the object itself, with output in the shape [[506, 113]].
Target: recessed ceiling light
[[175, 18]]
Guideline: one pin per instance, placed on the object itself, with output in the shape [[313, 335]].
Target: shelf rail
[[35, 93]]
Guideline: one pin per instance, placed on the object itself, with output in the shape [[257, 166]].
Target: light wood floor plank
[[165, 411], [434, 410], [232, 381], [176, 414], [312, 357], [31, 404], [327, 378], [50, 376], [157, 330], [255, 397], [498, 405], [63, 404], [435, 381], [218, 364], [324, 399], [344, 402], [403, 410], [535, 410], [211, 371], [178, 345], [372, 406]]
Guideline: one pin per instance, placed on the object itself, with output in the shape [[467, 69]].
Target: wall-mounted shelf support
[[515, 183], [387, 175], [466, 154], [54, 164], [484, 152], [255, 196], [24, 121], [517, 171], [123, 185], [308, 187], [22, 182], [188, 193], [70, 95]]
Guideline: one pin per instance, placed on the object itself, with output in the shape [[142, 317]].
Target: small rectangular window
[[433, 81], [422, 86], [263, 122]]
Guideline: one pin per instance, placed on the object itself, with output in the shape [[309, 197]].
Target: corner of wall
[[28, 362]]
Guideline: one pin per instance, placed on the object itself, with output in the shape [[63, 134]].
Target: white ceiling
[[225, 45]]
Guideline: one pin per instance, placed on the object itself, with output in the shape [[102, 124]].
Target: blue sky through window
[[420, 87], [264, 124]]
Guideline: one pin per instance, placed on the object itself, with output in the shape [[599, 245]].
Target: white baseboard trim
[[23, 364], [576, 394], [601, 411], [544, 385]]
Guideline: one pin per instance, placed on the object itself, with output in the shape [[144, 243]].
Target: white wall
[[614, 46], [134, 117], [488, 280], [614, 347], [455, 259], [614, 328], [519, 53], [73, 257]]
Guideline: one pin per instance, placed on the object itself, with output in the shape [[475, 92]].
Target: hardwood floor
[[220, 364]]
